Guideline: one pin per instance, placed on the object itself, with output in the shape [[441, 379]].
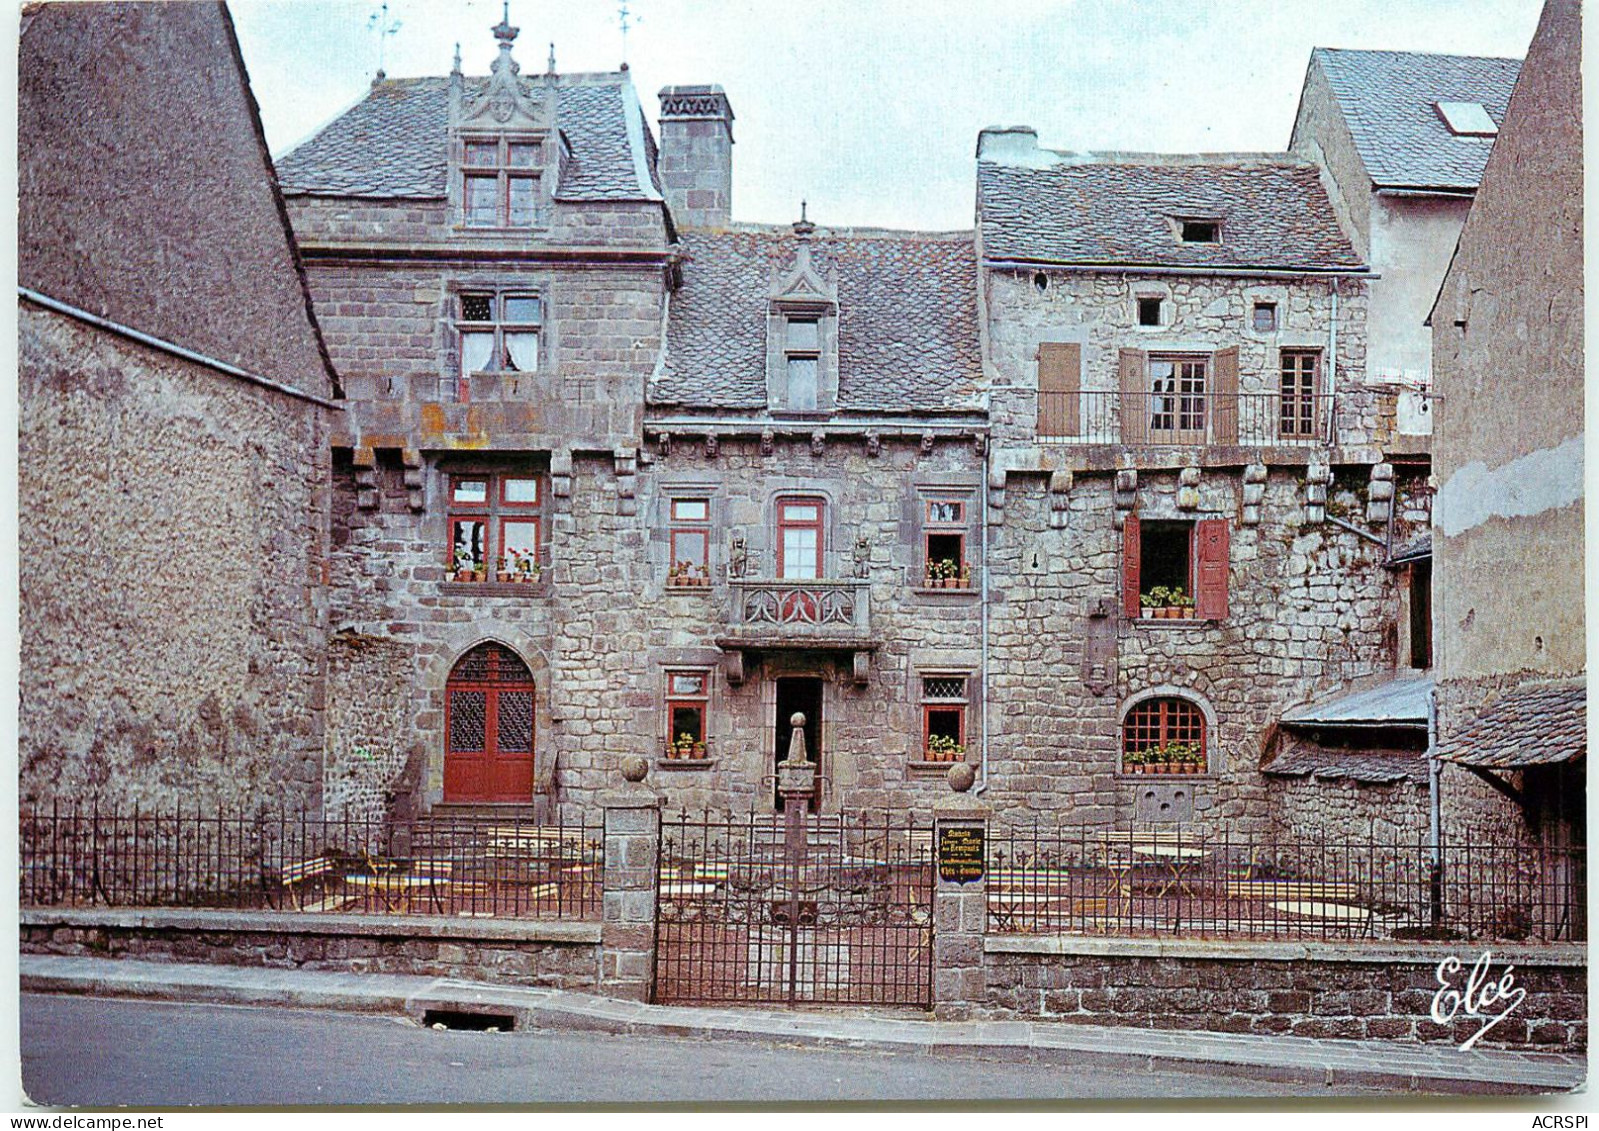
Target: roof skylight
[[1466, 119]]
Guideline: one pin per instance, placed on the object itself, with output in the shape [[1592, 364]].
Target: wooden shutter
[[1210, 569], [1224, 395], [1135, 404], [1060, 366], [1130, 554]]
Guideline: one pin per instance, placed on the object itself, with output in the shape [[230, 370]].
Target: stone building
[[619, 476], [175, 415], [1508, 333], [1181, 417]]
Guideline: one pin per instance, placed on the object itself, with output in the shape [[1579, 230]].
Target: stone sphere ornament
[[634, 767], [961, 776]]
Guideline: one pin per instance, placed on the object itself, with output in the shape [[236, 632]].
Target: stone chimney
[[696, 162]]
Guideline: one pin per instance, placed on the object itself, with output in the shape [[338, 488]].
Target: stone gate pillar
[[960, 905], [627, 929]]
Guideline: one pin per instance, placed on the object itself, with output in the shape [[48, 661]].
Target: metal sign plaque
[[961, 854]]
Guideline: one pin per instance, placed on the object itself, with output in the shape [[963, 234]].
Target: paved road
[[98, 1052]]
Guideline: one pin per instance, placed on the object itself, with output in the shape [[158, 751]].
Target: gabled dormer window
[[504, 155], [802, 334], [500, 182]]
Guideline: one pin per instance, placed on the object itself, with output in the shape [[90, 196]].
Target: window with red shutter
[[1174, 569]]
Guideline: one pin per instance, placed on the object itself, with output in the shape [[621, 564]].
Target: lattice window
[[516, 720], [944, 700], [468, 715]]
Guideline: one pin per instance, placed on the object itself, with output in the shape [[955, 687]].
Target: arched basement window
[[1165, 735]]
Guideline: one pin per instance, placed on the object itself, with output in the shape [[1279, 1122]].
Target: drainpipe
[[982, 758], [1332, 367], [1435, 812]]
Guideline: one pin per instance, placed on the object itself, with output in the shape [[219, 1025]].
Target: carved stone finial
[[796, 740], [803, 226], [863, 556], [738, 561], [552, 59], [634, 768], [503, 31], [961, 776], [456, 69]]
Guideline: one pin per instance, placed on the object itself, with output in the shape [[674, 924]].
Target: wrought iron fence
[[1173, 882], [95, 855], [838, 910], [1179, 419]]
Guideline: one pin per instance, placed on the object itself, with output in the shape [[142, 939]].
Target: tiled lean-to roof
[[907, 318], [394, 143], [1388, 99], [1536, 724], [1126, 210]]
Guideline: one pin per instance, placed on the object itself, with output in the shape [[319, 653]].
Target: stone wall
[[1202, 314], [528, 954], [171, 568], [1309, 609], [1302, 990], [1342, 811]]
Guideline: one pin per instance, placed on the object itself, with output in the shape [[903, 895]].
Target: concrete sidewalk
[[1317, 1064]]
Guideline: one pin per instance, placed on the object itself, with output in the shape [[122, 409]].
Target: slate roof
[[1398, 702], [1387, 99], [1352, 765], [1536, 724], [394, 143], [1120, 209], [907, 318], [1417, 549]]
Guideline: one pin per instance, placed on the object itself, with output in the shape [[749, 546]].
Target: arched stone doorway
[[488, 728]]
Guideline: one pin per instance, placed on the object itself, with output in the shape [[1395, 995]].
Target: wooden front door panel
[[488, 726]]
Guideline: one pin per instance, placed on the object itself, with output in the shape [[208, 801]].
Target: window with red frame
[[799, 538], [944, 543], [944, 702], [495, 524], [688, 703], [1164, 731], [689, 541]]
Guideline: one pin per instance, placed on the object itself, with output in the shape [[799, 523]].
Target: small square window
[[944, 703], [1149, 311], [482, 153], [688, 702], [1201, 231], [1466, 119], [524, 155], [469, 491], [1265, 320]]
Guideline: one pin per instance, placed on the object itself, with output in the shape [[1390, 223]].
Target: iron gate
[[746, 911]]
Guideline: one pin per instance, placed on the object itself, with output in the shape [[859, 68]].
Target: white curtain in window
[[476, 349], [522, 347]]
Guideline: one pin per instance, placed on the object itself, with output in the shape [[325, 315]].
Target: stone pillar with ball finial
[[632, 851]]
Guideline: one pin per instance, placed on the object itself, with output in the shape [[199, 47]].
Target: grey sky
[[870, 110]]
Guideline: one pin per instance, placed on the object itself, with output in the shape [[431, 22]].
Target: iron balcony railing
[[129, 856], [1177, 419]]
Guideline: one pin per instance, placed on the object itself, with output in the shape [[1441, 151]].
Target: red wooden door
[[488, 728]]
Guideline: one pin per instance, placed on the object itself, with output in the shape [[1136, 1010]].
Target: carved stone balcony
[[822, 614]]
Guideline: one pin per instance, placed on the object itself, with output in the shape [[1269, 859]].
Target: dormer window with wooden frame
[[802, 335], [500, 181], [504, 147]]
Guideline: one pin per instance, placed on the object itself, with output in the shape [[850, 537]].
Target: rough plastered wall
[[1309, 608], [170, 565], [1508, 443]]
